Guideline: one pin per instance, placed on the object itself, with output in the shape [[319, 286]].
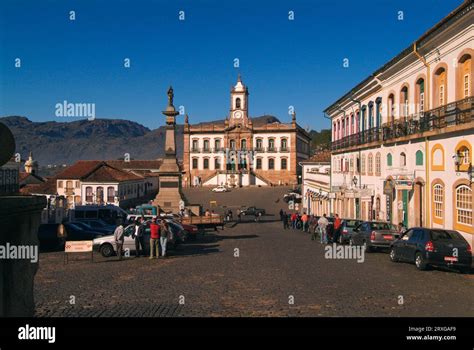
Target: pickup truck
[[203, 222], [253, 211]]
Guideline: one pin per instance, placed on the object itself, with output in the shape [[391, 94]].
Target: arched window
[[217, 163], [464, 75], [206, 163], [284, 144], [271, 144], [440, 86], [403, 159], [259, 144], [110, 194], [391, 108], [283, 164], [404, 101], [217, 144], [419, 158], [195, 163], [100, 194], [378, 165], [438, 202], [89, 195], [271, 164], [195, 145], [420, 95], [237, 103], [206, 145], [463, 206], [362, 170], [243, 144], [464, 151], [232, 144], [389, 159], [259, 163], [370, 166]]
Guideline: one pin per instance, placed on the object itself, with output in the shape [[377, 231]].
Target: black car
[[49, 236], [426, 247], [253, 211], [74, 232], [87, 227]]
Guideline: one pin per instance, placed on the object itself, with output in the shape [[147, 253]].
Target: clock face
[[238, 115]]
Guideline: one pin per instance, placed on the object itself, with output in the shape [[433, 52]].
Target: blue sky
[[283, 62]]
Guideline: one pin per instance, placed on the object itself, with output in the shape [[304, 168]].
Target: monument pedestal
[[169, 195]]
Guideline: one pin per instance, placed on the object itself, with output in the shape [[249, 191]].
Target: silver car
[[374, 235]]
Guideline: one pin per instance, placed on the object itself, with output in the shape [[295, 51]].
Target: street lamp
[[354, 181]]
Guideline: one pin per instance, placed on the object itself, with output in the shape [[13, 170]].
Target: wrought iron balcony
[[455, 113]]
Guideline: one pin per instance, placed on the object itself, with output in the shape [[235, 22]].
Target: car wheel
[[420, 262], [393, 255], [107, 250]]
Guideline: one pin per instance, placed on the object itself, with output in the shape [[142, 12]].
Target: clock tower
[[239, 96]]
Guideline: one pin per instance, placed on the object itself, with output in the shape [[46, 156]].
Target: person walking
[[154, 238], [337, 228], [322, 225], [119, 238], [284, 219], [164, 235], [139, 238], [281, 214], [304, 220], [294, 218]]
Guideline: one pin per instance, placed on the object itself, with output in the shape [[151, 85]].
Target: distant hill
[[66, 142], [320, 139]]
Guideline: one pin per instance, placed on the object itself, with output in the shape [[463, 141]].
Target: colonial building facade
[[238, 153], [98, 182], [402, 140], [316, 185]]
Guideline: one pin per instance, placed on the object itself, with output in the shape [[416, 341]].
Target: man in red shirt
[[337, 228], [154, 238]]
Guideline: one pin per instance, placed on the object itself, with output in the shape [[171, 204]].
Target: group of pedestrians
[[159, 235], [315, 225]]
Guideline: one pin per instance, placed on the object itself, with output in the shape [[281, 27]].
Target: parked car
[[77, 233], [292, 196], [374, 235], [220, 188], [253, 211], [107, 213], [433, 247], [98, 225], [348, 226], [49, 236], [107, 247], [97, 228]]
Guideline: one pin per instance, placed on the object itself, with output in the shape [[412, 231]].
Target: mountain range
[[55, 142]]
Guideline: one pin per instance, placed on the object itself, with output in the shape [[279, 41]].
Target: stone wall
[[20, 218]]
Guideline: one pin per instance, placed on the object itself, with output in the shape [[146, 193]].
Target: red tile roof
[[106, 173], [79, 169], [320, 157], [136, 164], [48, 187]]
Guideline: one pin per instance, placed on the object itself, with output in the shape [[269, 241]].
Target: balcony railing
[[456, 113]]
